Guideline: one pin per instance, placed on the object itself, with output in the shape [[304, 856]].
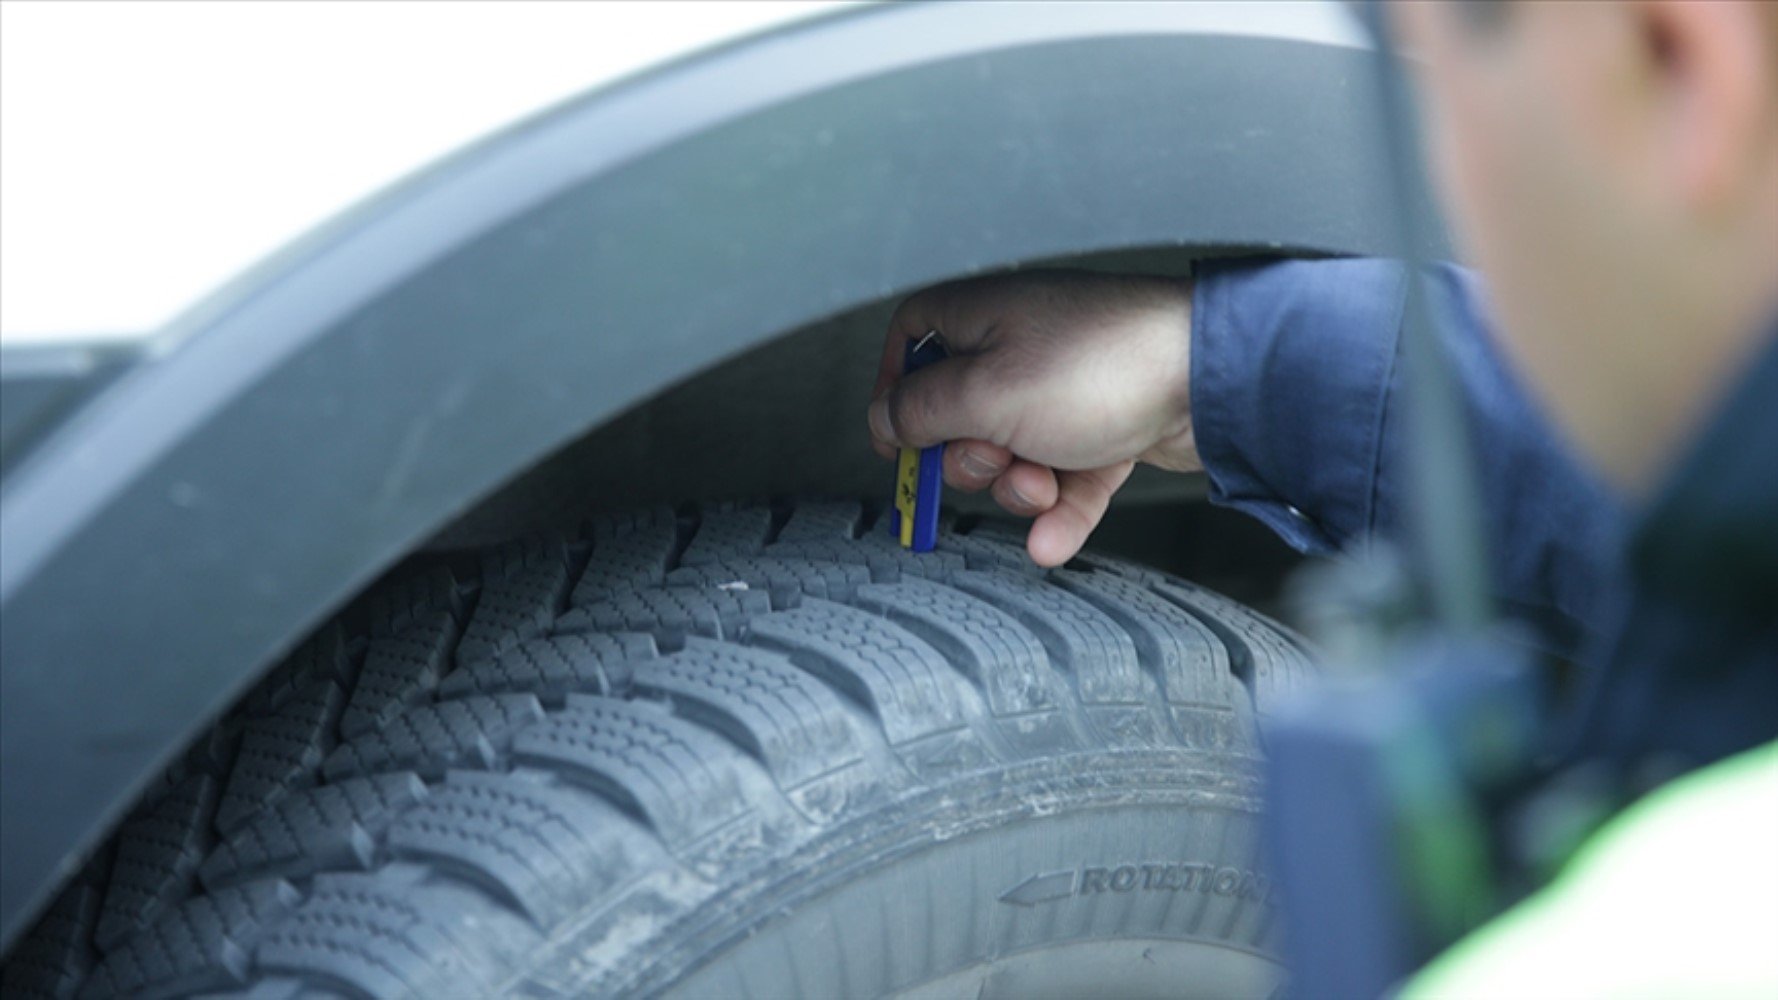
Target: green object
[[1438, 833], [1675, 897]]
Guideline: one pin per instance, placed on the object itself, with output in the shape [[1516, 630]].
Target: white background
[[150, 151]]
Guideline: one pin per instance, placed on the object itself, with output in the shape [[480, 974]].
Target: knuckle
[[906, 412], [892, 411], [926, 410]]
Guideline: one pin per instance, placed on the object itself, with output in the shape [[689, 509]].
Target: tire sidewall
[[1086, 853]]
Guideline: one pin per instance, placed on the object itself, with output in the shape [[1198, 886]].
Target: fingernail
[[879, 419], [976, 465], [1018, 498]]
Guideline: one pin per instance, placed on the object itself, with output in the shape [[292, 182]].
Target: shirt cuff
[[1291, 363]]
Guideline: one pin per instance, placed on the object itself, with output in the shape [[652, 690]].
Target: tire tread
[[478, 753]]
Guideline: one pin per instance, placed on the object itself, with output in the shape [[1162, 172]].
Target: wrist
[[1175, 448]]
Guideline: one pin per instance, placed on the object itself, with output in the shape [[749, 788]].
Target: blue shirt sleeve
[[1297, 403]]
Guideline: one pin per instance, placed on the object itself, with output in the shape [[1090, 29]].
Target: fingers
[[916, 315], [1081, 500], [972, 466], [955, 310], [1026, 489], [933, 405]]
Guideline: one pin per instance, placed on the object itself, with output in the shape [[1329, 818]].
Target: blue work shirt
[[1297, 408]]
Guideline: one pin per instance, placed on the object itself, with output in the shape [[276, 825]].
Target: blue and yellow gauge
[[919, 473]]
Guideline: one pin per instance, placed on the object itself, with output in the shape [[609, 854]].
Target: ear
[[1711, 69]]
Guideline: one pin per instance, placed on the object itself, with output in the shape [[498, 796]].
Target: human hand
[[1057, 383]]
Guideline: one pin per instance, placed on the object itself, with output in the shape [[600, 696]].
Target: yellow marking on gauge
[[907, 492]]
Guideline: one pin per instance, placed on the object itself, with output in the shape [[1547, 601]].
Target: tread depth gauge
[[919, 473]]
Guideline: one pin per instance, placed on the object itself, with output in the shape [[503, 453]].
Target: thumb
[[933, 405]]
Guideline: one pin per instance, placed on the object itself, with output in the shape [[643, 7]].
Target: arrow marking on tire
[[1041, 889]]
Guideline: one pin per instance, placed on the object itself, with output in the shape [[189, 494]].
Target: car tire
[[748, 750]]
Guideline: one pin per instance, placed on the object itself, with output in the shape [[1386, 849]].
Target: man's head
[[1613, 168]]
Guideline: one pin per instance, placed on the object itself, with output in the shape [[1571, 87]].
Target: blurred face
[[1529, 215], [1609, 186]]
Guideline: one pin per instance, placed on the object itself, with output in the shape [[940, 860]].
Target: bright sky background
[[149, 151]]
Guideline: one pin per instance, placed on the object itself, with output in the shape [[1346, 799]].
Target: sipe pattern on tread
[[467, 762]]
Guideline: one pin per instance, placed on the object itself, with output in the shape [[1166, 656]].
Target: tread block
[[1123, 702], [671, 614], [211, 752], [203, 944], [279, 753], [629, 550], [887, 561], [406, 598], [543, 847], [1207, 703], [786, 719], [324, 655], [786, 580], [53, 959], [1096, 563], [324, 828], [399, 669], [906, 683], [822, 521], [376, 937], [677, 777], [590, 662], [158, 852], [1078, 636], [1191, 661], [997, 653], [729, 533], [523, 587], [1263, 654], [939, 565], [987, 551], [462, 732]]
